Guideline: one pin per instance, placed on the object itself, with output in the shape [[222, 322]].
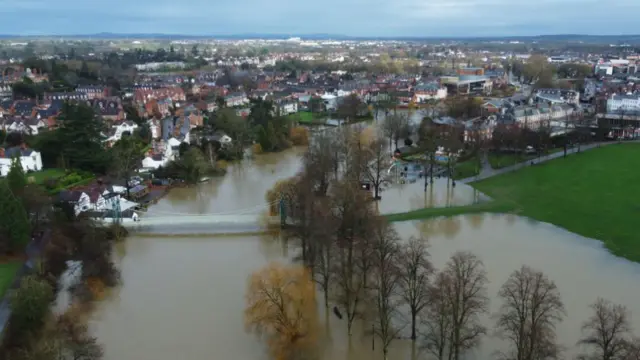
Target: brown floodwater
[[182, 297]]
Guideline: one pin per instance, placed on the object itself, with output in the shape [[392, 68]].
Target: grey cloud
[[349, 17]]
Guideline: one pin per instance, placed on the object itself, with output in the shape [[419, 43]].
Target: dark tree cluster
[[368, 273], [77, 143], [61, 239]]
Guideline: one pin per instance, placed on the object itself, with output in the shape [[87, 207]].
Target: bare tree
[[435, 319], [530, 310], [633, 349], [429, 139], [352, 215], [351, 107], [607, 332], [453, 142], [324, 248], [303, 211], [467, 296], [415, 271], [378, 163], [321, 161], [395, 127], [385, 283]]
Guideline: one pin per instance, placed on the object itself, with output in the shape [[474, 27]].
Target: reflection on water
[[406, 197], [582, 269], [182, 297], [242, 188]]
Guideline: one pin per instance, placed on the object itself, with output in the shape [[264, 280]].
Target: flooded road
[[182, 297]]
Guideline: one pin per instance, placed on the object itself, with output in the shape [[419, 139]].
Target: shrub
[[50, 183], [299, 135], [29, 307], [222, 164], [279, 189], [71, 178], [257, 148]]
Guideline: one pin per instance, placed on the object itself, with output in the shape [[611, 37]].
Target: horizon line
[[301, 35]]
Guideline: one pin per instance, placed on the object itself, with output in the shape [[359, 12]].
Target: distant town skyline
[[436, 18]]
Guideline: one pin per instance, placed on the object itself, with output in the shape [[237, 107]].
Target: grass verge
[[426, 213], [7, 274], [467, 168]]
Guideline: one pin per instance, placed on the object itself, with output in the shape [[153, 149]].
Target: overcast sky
[[343, 17]]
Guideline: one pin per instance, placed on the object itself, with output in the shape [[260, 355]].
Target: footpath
[[33, 251], [487, 171]]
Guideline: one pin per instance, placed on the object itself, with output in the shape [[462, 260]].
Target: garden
[[56, 180]]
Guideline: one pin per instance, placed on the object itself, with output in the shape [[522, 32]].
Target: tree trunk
[[326, 296], [413, 324]]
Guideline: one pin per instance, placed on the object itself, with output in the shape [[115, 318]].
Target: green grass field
[[467, 169], [594, 194], [498, 161], [426, 213], [306, 117], [40, 176], [7, 274]]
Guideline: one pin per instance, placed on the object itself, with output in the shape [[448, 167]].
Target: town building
[[557, 96], [429, 91], [467, 84], [624, 103], [30, 159]]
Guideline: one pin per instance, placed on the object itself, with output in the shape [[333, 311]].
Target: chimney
[[23, 146]]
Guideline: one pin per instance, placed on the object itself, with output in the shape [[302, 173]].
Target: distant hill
[[604, 39]]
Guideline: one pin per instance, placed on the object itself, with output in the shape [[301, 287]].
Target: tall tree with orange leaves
[[281, 308]]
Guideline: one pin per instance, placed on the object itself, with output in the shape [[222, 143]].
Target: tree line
[[368, 274], [63, 242]]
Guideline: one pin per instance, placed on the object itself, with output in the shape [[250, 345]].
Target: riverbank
[[590, 193], [491, 206]]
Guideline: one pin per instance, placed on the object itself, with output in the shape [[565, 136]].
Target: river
[[182, 297]]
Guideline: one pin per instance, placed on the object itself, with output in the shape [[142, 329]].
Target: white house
[[161, 154], [30, 126], [330, 101], [30, 159], [288, 107], [343, 93], [155, 128], [429, 91], [79, 199], [236, 99], [154, 161], [125, 126]]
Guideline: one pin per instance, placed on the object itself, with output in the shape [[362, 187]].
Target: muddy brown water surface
[[182, 297]]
